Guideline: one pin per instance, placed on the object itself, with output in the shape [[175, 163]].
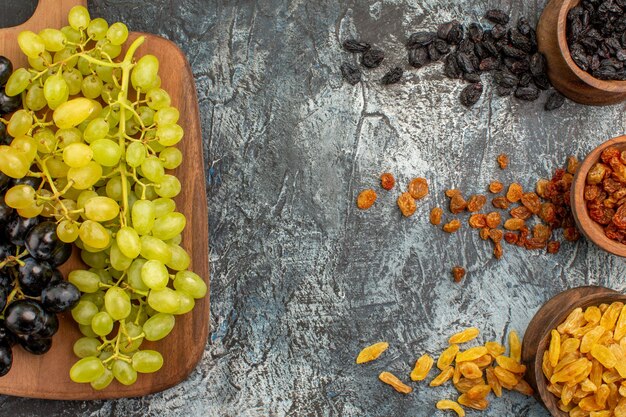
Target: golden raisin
[[452, 192], [470, 370], [515, 192], [542, 188], [484, 233], [471, 354], [531, 202], [542, 232], [497, 251], [510, 364], [447, 357], [475, 404], [451, 405], [554, 246], [392, 380], [572, 165], [418, 188], [478, 392], [457, 203], [513, 224], [500, 202], [515, 346], [495, 187], [521, 212], [503, 161], [495, 348], [493, 219], [407, 205], [464, 336], [387, 181], [524, 388], [496, 235], [372, 352], [493, 382], [366, 199], [422, 367], [452, 226], [435, 216], [443, 377], [458, 273], [477, 221], [476, 202]]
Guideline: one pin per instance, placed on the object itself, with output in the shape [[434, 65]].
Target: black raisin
[[555, 101], [472, 77], [442, 46], [497, 16], [451, 67], [433, 53], [475, 32], [505, 79], [530, 93], [537, 64], [350, 73], [393, 76], [471, 94], [465, 63], [542, 81], [489, 64], [525, 80], [452, 32], [513, 52], [418, 57], [520, 41], [352, 45], [523, 26], [419, 39], [372, 58], [504, 91], [498, 32]]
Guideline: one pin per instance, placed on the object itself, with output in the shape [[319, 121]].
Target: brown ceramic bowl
[[592, 230], [537, 336], [565, 75]]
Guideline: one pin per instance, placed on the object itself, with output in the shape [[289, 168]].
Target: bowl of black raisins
[[584, 42]]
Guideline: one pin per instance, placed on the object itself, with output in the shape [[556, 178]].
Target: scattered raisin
[[514, 224], [350, 73], [531, 202], [452, 192], [511, 238], [484, 233], [496, 235], [435, 216], [542, 232], [521, 212], [503, 161], [352, 45], [457, 204], [477, 221], [495, 187], [497, 250], [458, 273], [571, 234], [555, 101], [471, 94], [372, 58], [515, 192], [497, 16], [493, 219], [500, 202], [366, 199], [554, 246], [452, 226], [387, 181], [542, 188], [407, 205], [476, 202], [418, 188], [393, 76], [572, 165]]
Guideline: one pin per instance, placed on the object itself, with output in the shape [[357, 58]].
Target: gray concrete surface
[[301, 280]]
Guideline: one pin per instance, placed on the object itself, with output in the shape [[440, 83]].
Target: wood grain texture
[[592, 230], [549, 316], [47, 376], [565, 75]]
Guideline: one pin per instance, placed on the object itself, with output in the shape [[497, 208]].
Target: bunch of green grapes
[[100, 134]]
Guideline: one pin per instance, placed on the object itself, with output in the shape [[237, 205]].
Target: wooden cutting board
[[47, 376]]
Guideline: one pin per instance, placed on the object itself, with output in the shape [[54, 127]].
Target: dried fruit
[[407, 205], [521, 212], [477, 221], [514, 224], [500, 202], [350, 73], [372, 58], [510, 364], [505, 377], [447, 357], [464, 336], [387, 181], [392, 380], [458, 273], [515, 192], [452, 226], [554, 351], [372, 352], [531, 202], [393, 76], [503, 161], [418, 188], [497, 251], [352, 45], [422, 367], [476, 202], [457, 203], [495, 187], [470, 370], [493, 382], [497, 16], [515, 346], [471, 354], [435, 216], [471, 94], [451, 405], [478, 392], [496, 235], [443, 377], [475, 404], [484, 233], [366, 199], [542, 232], [493, 219]]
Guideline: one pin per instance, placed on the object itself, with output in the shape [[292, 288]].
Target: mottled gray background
[[301, 280]]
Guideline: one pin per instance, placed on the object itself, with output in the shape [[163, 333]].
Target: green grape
[[163, 206], [84, 66], [114, 188], [171, 157], [83, 197], [158, 99], [124, 372], [164, 301], [35, 99], [77, 155], [85, 177], [79, 18], [66, 55], [147, 193], [86, 346], [87, 369], [25, 144], [93, 259], [158, 326], [41, 62], [74, 80], [68, 136], [118, 260], [85, 330], [73, 112], [101, 209], [117, 303], [67, 231], [17, 82], [71, 34], [146, 114], [105, 277], [132, 127], [132, 330], [31, 211], [94, 115], [31, 44], [85, 281], [147, 361], [53, 39], [169, 135], [56, 168], [20, 196], [168, 225], [103, 381], [155, 275], [128, 242], [84, 312], [152, 169], [13, 162], [187, 303], [106, 74], [143, 216], [134, 275], [109, 95], [167, 116], [70, 205], [106, 152], [109, 49], [145, 72], [94, 234], [135, 154], [153, 248], [180, 258], [96, 297], [102, 323], [56, 91], [169, 187], [91, 86], [96, 129], [117, 33], [20, 123], [97, 29], [138, 313], [190, 283]]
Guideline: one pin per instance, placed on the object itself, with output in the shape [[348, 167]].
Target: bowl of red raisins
[[598, 196], [584, 42]]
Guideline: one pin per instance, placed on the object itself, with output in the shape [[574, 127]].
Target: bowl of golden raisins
[[575, 352], [598, 196]]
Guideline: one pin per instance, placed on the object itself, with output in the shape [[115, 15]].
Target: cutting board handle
[[48, 14]]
